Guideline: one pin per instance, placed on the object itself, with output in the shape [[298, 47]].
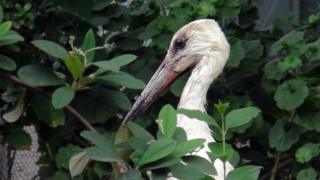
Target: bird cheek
[[182, 66]]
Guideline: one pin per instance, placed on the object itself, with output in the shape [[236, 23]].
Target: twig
[[12, 153], [275, 167], [48, 95], [280, 166]]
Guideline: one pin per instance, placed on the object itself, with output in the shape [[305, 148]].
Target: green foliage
[[167, 150], [291, 94], [240, 116], [245, 172], [77, 163], [19, 139], [121, 79], [96, 56], [39, 75], [74, 66], [51, 48], [307, 174], [7, 63], [61, 97], [283, 138], [45, 111], [64, 154], [305, 153], [167, 121]]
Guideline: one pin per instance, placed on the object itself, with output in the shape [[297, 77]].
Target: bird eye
[[180, 43]]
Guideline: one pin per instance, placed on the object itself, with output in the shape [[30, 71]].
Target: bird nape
[[201, 46]]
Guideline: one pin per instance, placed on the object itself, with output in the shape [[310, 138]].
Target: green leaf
[[101, 4], [200, 164], [45, 111], [103, 154], [106, 66], [253, 49], [305, 153], [291, 94], [65, 153], [237, 53], [157, 150], [19, 139], [184, 172], [136, 156], [221, 107], [150, 31], [77, 163], [11, 94], [10, 37], [138, 131], [180, 135], [241, 116], [5, 27], [38, 75], [167, 120], [61, 97], [309, 119], [60, 175], [228, 8], [312, 51], [282, 139], [102, 169], [74, 66], [244, 173], [97, 139], [177, 86], [123, 60], [217, 151], [290, 62], [116, 98], [187, 147], [121, 79], [196, 114], [130, 175], [162, 163], [138, 143], [309, 174], [89, 43], [7, 63], [51, 48], [291, 40], [15, 113], [122, 138], [102, 110], [204, 9], [272, 71]]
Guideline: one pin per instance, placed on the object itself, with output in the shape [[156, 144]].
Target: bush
[[67, 67]]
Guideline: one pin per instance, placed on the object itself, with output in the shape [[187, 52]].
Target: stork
[[200, 45]]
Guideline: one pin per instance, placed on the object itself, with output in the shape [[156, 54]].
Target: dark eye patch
[[180, 43]]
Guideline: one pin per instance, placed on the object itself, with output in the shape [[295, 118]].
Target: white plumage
[[212, 44], [200, 45]]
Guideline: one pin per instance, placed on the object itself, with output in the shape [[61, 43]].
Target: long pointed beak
[[163, 77]]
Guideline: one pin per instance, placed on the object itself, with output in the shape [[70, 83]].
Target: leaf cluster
[[61, 59]]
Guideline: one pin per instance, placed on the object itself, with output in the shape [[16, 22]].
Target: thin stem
[[11, 163], [275, 167], [223, 133], [280, 166], [96, 48], [70, 109]]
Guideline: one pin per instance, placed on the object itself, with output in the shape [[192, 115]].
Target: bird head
[[191, 46]]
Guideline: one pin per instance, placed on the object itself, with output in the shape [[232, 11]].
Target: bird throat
[[195, 91]]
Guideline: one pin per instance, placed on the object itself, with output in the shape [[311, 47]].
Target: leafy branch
[[48, 95]]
